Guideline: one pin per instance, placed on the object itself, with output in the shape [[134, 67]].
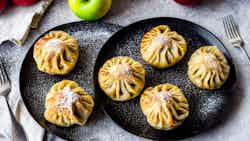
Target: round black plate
[[34, 84], [206, 107]]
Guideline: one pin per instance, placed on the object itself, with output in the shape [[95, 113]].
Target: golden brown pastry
[[208, 68], [68, 104], [121, 78], [162, 48], [165, 106], [56, 53]]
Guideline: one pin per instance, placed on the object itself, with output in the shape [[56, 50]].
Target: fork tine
[[229, 28], [234, 25], [226, 27], [1, 77], [232, 29], [3, 74]]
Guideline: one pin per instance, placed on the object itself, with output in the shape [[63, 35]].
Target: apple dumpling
[[208, 68], [165, 106], [121, 78], [56, 53], [68, 104], [162, 48]]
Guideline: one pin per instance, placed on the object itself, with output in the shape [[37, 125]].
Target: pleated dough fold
[[208, 68], [67, 104], [162, 48], [56, 53], [165, 106], [121, 78]]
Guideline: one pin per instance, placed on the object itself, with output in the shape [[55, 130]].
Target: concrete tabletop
[[124, 12]]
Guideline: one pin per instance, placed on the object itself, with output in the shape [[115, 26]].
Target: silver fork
[[5, 88], [233, 34]]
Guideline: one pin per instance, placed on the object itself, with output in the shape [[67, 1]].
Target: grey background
[[124, 12]]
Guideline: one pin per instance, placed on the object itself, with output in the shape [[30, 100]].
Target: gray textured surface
[[126, 11]]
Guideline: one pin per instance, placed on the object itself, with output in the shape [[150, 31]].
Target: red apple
[[188, 2], [3, 5], [24, 2]]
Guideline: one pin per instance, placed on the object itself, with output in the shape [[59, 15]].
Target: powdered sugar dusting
[[159, 40], [121, 71], [212, 63], [53, 45], [163, 96], [66, 99]]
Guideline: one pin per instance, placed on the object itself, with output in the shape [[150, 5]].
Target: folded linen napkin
[[16, 21]]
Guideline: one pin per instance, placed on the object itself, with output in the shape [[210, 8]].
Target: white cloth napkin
[[7, 132], [16, 21]]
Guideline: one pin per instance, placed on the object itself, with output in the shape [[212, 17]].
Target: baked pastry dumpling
[[162, 48], [121, 78], [56, 53], [68, 104], [208, 68], [165, 106]]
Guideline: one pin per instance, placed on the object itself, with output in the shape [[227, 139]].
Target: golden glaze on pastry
[[208, 68], [165, 106], [68, 104], [162, 48], [121, 78], [56, 53]]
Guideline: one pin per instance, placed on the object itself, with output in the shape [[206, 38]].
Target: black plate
[[34, 84], [206, 107]]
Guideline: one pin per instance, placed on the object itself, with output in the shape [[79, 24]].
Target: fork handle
[[19, 134], [245, 52]]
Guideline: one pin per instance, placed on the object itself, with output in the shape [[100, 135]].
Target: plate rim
[[124, 28], [46, 131]]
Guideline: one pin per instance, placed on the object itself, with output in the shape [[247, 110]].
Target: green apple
[[90, 10]]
